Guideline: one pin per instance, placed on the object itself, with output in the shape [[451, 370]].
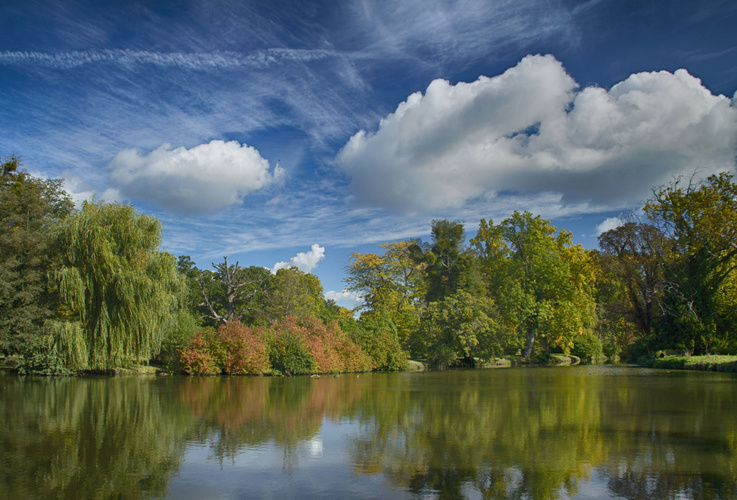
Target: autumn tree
[[117, 290], [392, 284], [701, 221]]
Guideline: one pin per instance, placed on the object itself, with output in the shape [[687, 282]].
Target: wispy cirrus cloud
[[436, 33]]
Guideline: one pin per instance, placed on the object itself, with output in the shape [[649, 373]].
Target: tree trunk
[[530, 342]]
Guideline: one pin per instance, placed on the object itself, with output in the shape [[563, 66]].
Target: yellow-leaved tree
[[392, 284]]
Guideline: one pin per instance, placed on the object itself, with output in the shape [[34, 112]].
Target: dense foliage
[[89, 289], [117, 291], [30, 209], [289, 347]]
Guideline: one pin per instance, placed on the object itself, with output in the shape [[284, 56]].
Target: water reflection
[[234, 414], [541, 433], [533, 433], [90, 438]]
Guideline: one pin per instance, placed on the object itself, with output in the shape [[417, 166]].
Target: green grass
[[704, 363]]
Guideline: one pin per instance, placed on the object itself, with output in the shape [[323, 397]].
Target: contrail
[[193, 60]]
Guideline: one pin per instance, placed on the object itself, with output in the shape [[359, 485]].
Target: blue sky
[[285, 132]]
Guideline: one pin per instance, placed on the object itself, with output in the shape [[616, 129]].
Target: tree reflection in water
[[539, 433], [87, 438], [235, 413], [514, 433]]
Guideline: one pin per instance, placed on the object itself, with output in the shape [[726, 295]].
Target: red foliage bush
[[233, 349], [197, 358], [331, 350], [245, 352], [238, 350]]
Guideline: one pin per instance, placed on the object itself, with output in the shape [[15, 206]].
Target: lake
[[538, 433]]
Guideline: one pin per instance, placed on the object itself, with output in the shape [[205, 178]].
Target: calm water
[[578, 432]]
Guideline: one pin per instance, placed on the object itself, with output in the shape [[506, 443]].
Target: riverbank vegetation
[[711, 363], [90, 289]]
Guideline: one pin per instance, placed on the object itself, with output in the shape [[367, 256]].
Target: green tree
[[701, 220], [631, 281], [231, 292], [460, 326], [30, 208], [541, 282], [117, 290], [378, 337], [294, 294], [392, 284], [449, 267]]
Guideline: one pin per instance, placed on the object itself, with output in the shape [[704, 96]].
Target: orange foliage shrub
[[196, 358], [238, 350], [233, 349], [330, 349]]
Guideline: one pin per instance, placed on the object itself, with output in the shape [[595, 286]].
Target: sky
[[282, 133]]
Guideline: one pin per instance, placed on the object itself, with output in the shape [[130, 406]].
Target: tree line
[[90, 289], [661, 281]]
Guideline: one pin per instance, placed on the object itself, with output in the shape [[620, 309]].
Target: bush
[[638, 350], [288, 353], [232, 349], [588, 347], [178, 335], [378, 338], [197, 358], [330, 349], [290, 346], [441, 356], [245, 351]]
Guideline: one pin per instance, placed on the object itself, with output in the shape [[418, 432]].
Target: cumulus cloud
[[608, 224], [206, 178], [80, 191], [304, 261], [533, 130], [349, 300]]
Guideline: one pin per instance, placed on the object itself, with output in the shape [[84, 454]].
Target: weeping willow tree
[[117, 292]]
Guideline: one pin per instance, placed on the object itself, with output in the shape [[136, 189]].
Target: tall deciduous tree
[[630, 262], [117, 290], [29, 210], [449, 267], [542, 284], [392, 284], [460, 326], [294, 294], [701, 220]]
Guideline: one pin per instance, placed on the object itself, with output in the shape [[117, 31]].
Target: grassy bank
[[703, 363]]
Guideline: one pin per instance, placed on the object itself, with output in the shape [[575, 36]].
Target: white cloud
[[608, 224], [304, 261], [349, 300], [80, 191], [206, 178], [531, 130]]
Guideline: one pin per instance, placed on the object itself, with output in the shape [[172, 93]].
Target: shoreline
[[711, 363]]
